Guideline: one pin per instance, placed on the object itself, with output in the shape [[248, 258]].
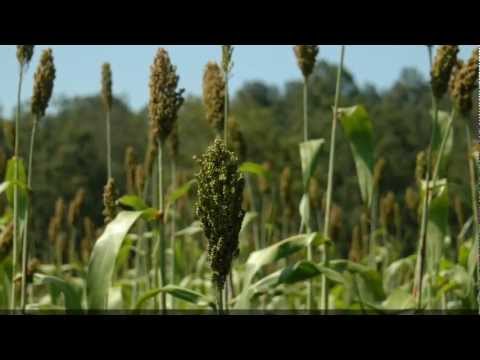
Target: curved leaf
[[305, 270], [443, 130], [195, 228], [178, 292], [132, 202], [102, 261], [180, 192], [359, 130], [71, 294], [255, 169], [309, 155]]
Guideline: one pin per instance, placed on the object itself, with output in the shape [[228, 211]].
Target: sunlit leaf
[[309, 155]]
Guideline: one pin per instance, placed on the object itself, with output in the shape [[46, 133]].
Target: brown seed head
[[315, 193], [214, 96], [464, 83], [24, 54], [107, 86], [109, 197], [237, 141], [75, 207], [411, 199], [378, 171], [306, 58], [165, 99], [139, 179], [387, 208], [43, 84], [130, 168], [355, 253], [445, 60]]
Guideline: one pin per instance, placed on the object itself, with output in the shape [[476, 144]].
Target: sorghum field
[[324, 196]]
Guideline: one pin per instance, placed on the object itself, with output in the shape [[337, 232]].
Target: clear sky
[[78, 67]]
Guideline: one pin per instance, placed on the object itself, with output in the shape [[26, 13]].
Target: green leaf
[[4, 186], [271, 254], [178, 292], [71, 293], [132, 203], [358, 129], [195, 228], [440, 133], [102, 261], [309, 155], [247, 220], [304, 209], [181, 192], [255, 169], [23, 198], [305, 270], [399, 299], [399, 273]]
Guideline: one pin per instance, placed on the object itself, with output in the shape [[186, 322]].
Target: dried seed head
[[151, 155], [24, 54], [263, 183], [335, 222], [139, 179], [173, 142], [227, 55], [219, 206], [306, 58], [75, 207], [453, 77], [109, 197], [378, 171], [387, 208], [355, 253], [88, 240], [165, 99], [445, 60], [6, 238], [420, 166], [464, 83], [43, 84], [315, 194], [130, 168], [214, 96], [107, 86], [237, 141], [411, 199], [3, 162], [9, 131]]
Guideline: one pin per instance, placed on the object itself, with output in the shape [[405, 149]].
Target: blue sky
[[78, 67]]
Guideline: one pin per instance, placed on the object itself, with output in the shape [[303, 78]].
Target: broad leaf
[[247, 220], [255, 169], [71, 293], [180, 192], [104, 255], [178, 292], [309, 155], [305, 270], [358, 129], [194, 229], [442, 131], [132, 203]]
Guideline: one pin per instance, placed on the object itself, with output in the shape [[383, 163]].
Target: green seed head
[[24, 54], [109, 197], [306, 58], [107, 86], [464, 82], [214, 96], [43, 84], [445, 60], [219, 206], [165, 98]]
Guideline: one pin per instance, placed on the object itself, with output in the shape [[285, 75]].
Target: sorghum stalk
[[331, 163], [227, 64], [42, 92], [24, 55]]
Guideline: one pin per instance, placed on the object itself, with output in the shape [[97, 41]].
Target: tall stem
[[442, 147], [173, 226], [331, 164], [25, 234], [373, 225], [161, 229], [109, 146], [425, 207], [225, 122], [15, 189], [219, 299], [475, 201]]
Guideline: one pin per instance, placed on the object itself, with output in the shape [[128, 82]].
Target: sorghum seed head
[[219, 206], [315, 193], [387, 208], [411, 199], [130, 168], [420, 166], [286, 192], [86, 244], [464, 83], [335, 222], [173, 142], [227, 55], [6, 238], [237, 141], [453, 77], [109, 197], [107, 86], [378, 171], [355, 246], [43, 84], [214, 96], [445, 60], [24, 54], [457, 204], [139, 179], [75, 207], [306, 58], [165, 99], [263, 183]]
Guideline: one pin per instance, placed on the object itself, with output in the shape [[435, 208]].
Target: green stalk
[[109, 146], [173, 227], [475, 200], [442, 148], [373, 225], [25, 234], [219, 299], [331, 163], [225, 122], [425, 207], [15, 189], [153, 247], [161, 229]]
